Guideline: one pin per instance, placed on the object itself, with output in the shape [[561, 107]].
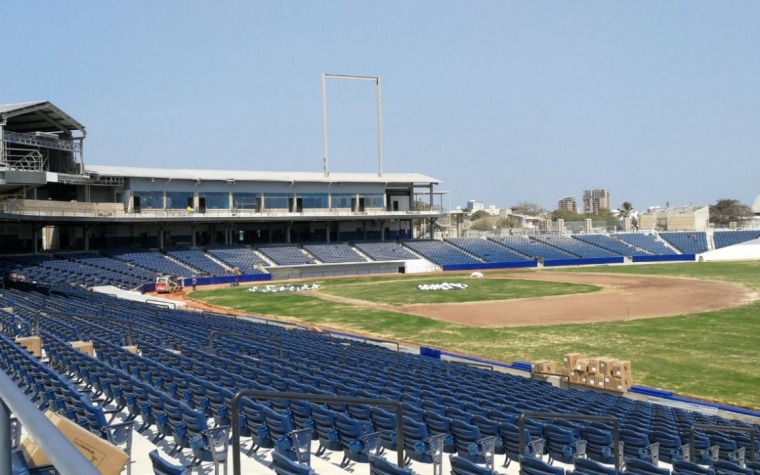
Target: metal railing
[[694, 427], [311, 398], [574, 417], [63, 455], [466, 363]]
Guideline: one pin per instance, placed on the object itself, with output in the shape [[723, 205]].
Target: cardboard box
[[31, 343], [621, 369], [104, 456], [84, 346], [593, 365], [617, 384], [543, 366], [576, 377], [581, 364], [570, 359], [605, 366]]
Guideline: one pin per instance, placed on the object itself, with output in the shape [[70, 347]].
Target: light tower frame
[[378, 89]]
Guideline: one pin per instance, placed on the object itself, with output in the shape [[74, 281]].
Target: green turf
[[403, 291], [712, 355]]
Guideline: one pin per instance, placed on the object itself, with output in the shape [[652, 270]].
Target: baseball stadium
[[177, 321]]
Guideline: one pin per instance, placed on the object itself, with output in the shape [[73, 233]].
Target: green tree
[[567, 215], [503, 223], [604, 214], [528, 208], [725, 211], [480, 214], [483, 224]]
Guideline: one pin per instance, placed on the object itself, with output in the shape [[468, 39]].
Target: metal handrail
[[161, 303], [574, 417], [349, 348], [130, 339], [311, 398], [694, 427], [60, 451], [216, 333], [466, 363]]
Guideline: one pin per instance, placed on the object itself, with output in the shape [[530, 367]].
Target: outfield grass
[[712, 355]]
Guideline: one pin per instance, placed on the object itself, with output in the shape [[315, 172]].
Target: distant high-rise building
[[595, 200], [568, 203], [475, 205]]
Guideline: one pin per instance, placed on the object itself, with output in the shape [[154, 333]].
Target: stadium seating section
[[130, 268], [488, 251], [533, 248], [687, 242], [333, 253], [729, 238], [285, 255], [440, 252], [178, 390], [611, 244], [575, 247], [239, 257], [385, 251], [646, 242]]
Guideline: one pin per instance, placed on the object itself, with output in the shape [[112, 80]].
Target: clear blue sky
[[504, 101]]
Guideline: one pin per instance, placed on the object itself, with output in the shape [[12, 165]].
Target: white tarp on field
[[737, 252]]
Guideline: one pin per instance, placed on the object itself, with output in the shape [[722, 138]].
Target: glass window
[[216, 200], [373, 201], [150, 199], [178, 199], [246, 200], [277, 201], [342, 200], [314, 201]]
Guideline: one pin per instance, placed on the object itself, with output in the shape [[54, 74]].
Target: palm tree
[[626, 209]]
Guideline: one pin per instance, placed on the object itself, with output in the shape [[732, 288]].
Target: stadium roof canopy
[[242, 175], [39, 116]]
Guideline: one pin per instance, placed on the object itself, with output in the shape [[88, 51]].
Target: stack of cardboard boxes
[[543, 366], [600, 372]]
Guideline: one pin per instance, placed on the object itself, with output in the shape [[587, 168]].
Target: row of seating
[[730, 238], [460, 404]]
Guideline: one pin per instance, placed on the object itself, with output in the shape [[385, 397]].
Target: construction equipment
[[168, 284]]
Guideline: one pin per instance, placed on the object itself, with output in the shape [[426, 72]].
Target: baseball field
[[692, 328]]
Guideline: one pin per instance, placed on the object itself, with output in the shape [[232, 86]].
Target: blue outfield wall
[[491, 265], [669, 258], [215, 280], [588, 261]]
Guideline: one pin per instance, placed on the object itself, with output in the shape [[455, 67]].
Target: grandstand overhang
[[40, 137]]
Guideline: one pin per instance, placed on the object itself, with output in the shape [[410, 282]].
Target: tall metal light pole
[[376, 80]]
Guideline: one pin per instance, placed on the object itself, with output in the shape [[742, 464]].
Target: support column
[[34, 239], [193, 229], [86, 237], [287, 232], [5, 433]]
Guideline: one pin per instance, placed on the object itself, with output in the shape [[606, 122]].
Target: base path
[[622, 297]]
